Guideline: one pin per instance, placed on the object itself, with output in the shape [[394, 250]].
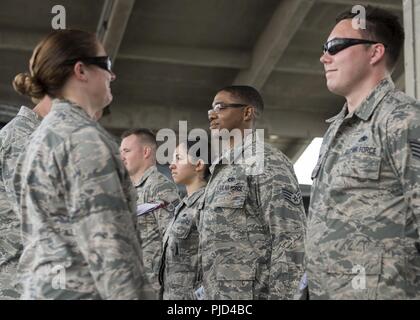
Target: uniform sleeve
[[403, 152], [103, 220], [165, 191], [10, 242], [281, 202]]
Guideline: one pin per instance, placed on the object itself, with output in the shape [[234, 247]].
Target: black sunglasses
[[336, 45], [103, 62]]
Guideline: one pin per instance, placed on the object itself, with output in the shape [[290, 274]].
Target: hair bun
[[27, 85]]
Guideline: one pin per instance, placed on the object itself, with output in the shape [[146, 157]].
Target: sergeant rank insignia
[[294, 198]]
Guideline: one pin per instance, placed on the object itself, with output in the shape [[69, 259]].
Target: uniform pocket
[[235, 281], [234, 199], [354, 275], [229, 215], [360, 166], [182, 227]]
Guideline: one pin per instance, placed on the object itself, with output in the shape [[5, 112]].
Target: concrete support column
[[412, 47]]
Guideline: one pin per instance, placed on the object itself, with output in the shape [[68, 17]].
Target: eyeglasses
[[336, 45], [103, 62], [217, 107]]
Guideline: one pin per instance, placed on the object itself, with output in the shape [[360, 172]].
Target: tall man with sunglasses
[[364, 215], [252, 218]]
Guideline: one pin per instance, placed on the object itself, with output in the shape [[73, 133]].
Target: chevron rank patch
[[415, 148], [294, 198]]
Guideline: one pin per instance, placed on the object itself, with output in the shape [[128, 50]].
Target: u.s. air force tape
[[294, 198]]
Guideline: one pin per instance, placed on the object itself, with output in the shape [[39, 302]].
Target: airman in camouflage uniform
[[78, 213], [9, 248], [252, 223], [13, 139], [138, 152], [155, 187], [363, 226], [179, 269]]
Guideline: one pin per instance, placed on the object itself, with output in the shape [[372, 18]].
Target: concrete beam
[[19, 41], [300, 70], [112, 24], [396, 6], [274, 40], [214, 58], [187, 56], [412, 47], [7, 112]]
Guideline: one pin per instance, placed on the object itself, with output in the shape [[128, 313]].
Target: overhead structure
[[412, 47], [112, 24], [172, 55], [274, 40]]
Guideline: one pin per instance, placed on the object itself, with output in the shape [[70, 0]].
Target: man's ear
[[249, 113], [378, 53], [79, 70], [147, 151]]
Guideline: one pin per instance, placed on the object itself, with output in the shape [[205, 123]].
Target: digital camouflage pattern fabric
[[78, 214], [13, 140], [154, 187], [179, 268], [252, 227], [363, 225]]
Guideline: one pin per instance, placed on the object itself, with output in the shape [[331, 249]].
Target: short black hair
[[146, 136], [382, 26], [247, 95]]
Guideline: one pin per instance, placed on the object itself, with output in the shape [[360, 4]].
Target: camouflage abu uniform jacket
[[78, 213], [179, 267], [363, 225], [252, 226], [13, 139], [154, 187]]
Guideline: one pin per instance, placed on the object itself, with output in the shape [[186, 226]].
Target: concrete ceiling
[[170, 56]]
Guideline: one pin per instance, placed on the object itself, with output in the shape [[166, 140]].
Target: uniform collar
[[146, 175], [63, 104], [29, 114], [190, 200], [340, 115], [365, 110]]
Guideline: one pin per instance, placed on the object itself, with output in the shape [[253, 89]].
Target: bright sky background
[[307, 161]]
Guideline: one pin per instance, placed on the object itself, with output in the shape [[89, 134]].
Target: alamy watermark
[[359, 281], [359, 21], [59, 20], [228, 147]]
